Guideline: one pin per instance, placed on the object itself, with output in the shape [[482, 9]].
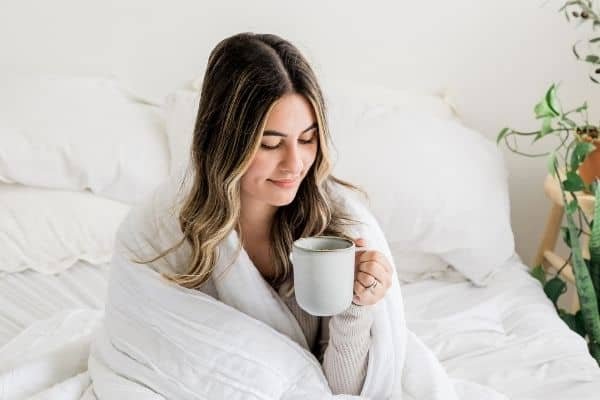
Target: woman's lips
[[285, 183]]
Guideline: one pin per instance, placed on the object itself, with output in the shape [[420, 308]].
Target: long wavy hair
[[246, 74]]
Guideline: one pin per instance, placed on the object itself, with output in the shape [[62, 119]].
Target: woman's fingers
[[365, 295], [373, 275], [365, 279], [372, 266], [359, 242]]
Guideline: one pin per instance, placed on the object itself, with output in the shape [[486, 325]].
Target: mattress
[[506, 335], [29, 296]]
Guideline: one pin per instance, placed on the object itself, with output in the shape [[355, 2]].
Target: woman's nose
[[292, 161]]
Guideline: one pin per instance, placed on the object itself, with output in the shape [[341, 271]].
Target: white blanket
[[161, 341], [167, 341]]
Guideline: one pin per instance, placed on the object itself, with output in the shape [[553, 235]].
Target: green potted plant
[[572, 162]]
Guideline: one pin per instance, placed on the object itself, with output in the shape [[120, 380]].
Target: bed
[[504, 335], [29, 296], [467, 294]]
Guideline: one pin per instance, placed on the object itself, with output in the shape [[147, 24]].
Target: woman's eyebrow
[[275, 133]]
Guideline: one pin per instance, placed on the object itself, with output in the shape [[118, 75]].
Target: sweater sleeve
[[345, 340]]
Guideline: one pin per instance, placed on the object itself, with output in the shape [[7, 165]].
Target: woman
[[260, 165]]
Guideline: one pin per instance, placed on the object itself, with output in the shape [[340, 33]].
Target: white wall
[[495, 58]]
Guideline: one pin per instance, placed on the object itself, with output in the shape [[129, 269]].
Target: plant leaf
[[585, 290], [574, 321], [539, 274], [554, 288], [571, 207], [580, 325], [551, 98], [548, 106], [573, 183], [546, 126], [594, 243], [582, 107], [588, 301], [592, 59], [593, 186], [580, 152], [568, 319], [501, 135], [565, 236]]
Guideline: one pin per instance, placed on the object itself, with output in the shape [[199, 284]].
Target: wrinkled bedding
[[158, 340], [506, 336], [30, 296]]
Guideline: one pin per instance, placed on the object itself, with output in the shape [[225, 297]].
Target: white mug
[[323, 274]]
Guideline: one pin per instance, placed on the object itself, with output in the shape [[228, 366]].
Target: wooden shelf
[[552, 190], [556, 262]]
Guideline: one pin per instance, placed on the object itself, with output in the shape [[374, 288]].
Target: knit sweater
[[341, 343]]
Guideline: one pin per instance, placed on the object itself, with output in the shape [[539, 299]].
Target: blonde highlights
[[245, 76]]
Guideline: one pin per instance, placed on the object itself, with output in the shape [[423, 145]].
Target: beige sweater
[[341, 343]]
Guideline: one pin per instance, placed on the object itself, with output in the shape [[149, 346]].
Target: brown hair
[[246, 74]]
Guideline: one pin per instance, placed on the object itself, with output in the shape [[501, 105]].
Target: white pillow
[[346, 98], [49, 230], [361, 98], [432, 216], [349, 104], [413, 266], [77, 133], [181, 108], [436, 187]]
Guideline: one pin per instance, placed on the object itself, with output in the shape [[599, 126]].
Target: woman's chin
[[281, 200]]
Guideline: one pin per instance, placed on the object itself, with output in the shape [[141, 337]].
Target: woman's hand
[[372, 275]]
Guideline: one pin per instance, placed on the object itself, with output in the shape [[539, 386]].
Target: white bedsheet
[[506, 336], [29, 296]]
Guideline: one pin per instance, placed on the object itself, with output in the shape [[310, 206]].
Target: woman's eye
[[266, 146], [274, 146], [307, 141]]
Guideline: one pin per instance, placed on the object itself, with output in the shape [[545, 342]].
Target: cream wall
[[495, 58]]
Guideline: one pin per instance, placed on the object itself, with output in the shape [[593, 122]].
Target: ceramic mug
[[323, 274]]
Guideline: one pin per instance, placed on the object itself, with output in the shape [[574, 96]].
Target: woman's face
[[288, 149]]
